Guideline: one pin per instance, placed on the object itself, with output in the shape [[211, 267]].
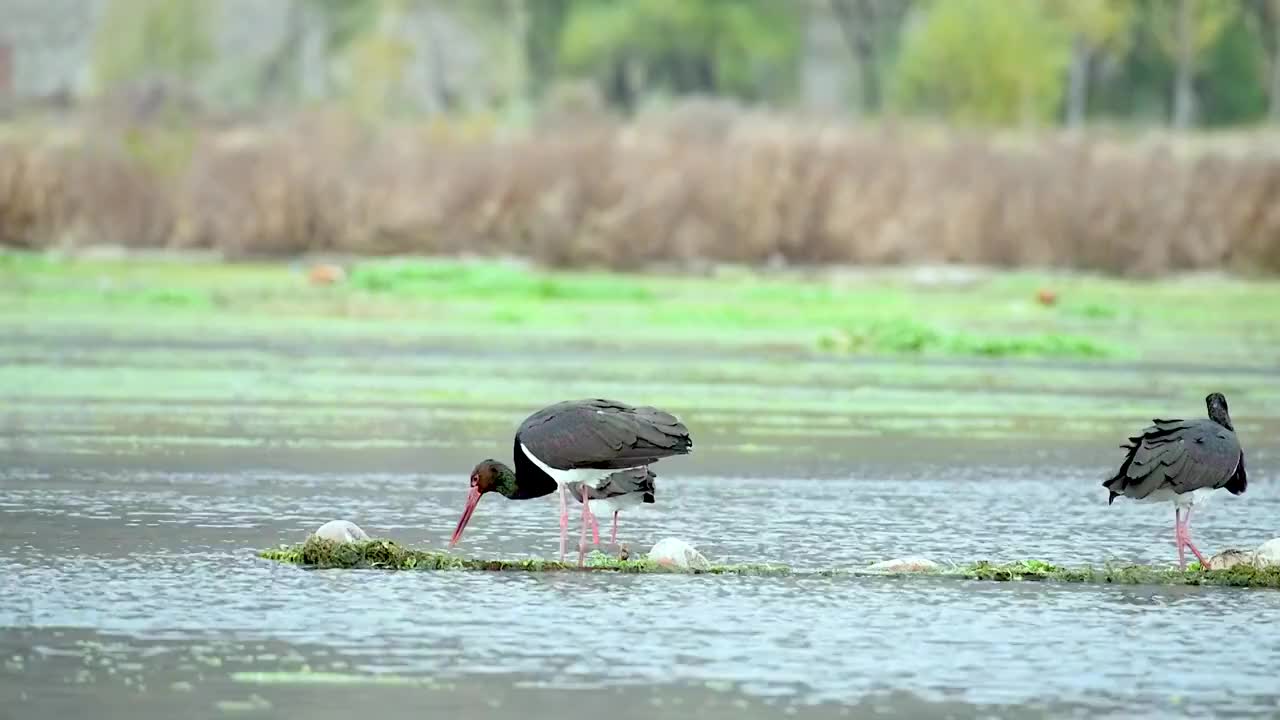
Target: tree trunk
[[542, 40], [273, 78], [517, 17], [857, 20], [1183, 89], [1275, 64], [1078, 82]]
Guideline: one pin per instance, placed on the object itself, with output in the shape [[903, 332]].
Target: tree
[[138, 38], [869, 27], [1184, 29], [542, 41], [745, 48], [990, 61], [1264, 15], [1096, 26], [1231, 84]]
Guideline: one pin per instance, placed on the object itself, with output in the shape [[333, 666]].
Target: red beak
[[473, 499]]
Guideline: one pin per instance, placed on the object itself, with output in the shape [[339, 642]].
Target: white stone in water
[[678, 553], [341, 531], [1230, 558], [1267, 554], [907, 564]]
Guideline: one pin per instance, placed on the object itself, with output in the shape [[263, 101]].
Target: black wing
[[623, 482], [1182, 455], [603, 434]]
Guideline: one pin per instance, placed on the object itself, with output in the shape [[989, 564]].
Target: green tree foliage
[[984, 61], [745, 48], [345, 20], [1238, 90], [146, 37], [372, 56], [1185, 29], [1097, 27], [542, 40], [1103, 23], [1207, 62]]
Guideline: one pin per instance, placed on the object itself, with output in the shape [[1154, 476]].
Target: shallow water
[[136, 488], [132, 585]]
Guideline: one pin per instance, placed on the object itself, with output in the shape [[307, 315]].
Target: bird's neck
[[1221, 417], [504, 482]]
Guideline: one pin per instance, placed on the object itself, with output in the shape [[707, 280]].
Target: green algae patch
[[381, 554], [322, 554], [898, 337], [1238, 576]]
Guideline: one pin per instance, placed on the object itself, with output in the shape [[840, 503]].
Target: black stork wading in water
[[599, 449], [1182, 461]]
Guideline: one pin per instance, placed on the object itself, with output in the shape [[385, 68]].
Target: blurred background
[[588, 132], [909, 271]]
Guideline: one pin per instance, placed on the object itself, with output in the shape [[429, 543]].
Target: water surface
[[136, 487], [144, 583]]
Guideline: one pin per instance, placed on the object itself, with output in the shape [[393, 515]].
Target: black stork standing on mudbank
[[1183, 461], [600, 449]]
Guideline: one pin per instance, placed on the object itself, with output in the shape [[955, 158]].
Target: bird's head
[[487, 476], [1217, 405]]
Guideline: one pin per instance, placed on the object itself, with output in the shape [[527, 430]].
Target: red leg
[[1178, 538], [1186, 538], [595, 530], [613, 540], [586, 518], [564, 521]]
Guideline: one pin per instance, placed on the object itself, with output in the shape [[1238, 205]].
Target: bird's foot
[[1182, 536], [1204, 564]]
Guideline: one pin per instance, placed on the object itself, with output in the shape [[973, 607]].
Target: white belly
[[608, 506], [590, 476], [1195, 498]]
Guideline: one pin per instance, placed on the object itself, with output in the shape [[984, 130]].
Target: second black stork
[[600, 449], [1183, 462]]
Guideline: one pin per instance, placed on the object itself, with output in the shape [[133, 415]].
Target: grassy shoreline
[[888, 314], [255, 353], [695, 184]]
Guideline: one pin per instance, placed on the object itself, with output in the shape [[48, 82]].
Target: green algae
[[997, 316], [1037, 570], [908, 337], [379, 554]]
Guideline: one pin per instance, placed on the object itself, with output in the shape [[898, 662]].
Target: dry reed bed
[[681, 188]]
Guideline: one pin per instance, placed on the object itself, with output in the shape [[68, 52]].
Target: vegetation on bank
[[701, 185], [380, 554], [924, 313]]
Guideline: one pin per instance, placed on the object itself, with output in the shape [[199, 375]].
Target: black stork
[[1182, 461], [601, 449]]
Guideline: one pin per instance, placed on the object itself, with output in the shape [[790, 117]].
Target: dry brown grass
[[34, 197], [702, 184]]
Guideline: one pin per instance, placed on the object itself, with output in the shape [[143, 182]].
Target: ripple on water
[[138, 556]]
